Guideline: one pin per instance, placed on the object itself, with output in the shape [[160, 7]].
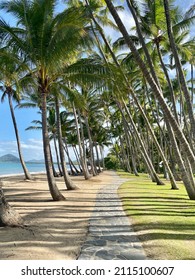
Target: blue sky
[[32, 140]]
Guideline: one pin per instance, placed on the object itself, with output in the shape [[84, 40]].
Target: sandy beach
[[54, 230]]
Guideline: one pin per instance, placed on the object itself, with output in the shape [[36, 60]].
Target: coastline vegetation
[[133, 95]]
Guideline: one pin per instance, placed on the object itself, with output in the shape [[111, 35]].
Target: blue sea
[[13, 168], [7, 168]]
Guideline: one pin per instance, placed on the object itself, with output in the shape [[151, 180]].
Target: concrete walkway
[[111, 236]]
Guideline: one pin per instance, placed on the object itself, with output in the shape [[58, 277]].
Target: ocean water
[[7, 168]]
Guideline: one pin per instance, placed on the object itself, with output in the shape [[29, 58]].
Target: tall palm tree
[[179, 66], [156, 90], [44, 38], [10, 70]]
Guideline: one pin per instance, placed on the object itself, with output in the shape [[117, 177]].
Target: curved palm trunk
[[124, 155], [83, 141], [179, 67], [172, 179], [65, 146], [72, 166], [168, 81], [173, 182], [55, 174], [26, 172], [174, 186], [57, 156], [150, 63], [97, 156], [178, 132], [83, 160], [102, 156], [93, 167], [192, 84], [69, 183], [8, 215], [146, 157], [55, 193], [77, 157], [187, 178], [129, 146]]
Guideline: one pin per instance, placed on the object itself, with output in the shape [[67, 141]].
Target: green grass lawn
[[164, 219]]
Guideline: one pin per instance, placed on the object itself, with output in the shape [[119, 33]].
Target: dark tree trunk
[[77, 157], [57, 156], [55, 174], [72, 166], [146, 156], [93, 168], [55, 193], [69, 183], [8, 215], [81, 151]]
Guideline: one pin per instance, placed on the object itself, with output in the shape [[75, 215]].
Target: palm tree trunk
[[77, 157], [83, 159], [55, 174], [141, 38], [26, 172], [102, 156], [69, 183], [192, 85], [168, 81], [135, 98], [57, 156], [129, 146], [90, 147], [8, 215], [172, 179], [72, 172], [72, 166], [179, 134], [179, 67], [97, 156], [146, 157], [55, 193], [187, 180]]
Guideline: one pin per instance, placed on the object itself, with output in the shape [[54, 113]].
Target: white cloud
[[127, 19], [32, 148]]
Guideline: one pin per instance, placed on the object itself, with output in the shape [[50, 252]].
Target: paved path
[[111, 236]]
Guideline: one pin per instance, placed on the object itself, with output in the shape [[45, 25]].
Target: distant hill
[[9, 158]]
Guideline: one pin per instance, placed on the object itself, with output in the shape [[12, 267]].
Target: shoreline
[[20, 174]]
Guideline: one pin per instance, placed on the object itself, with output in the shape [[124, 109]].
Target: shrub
[[112, 162]]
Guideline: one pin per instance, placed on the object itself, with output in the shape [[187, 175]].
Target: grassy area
[[163, 218]]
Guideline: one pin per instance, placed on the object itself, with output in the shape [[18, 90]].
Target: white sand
[[55, 230]]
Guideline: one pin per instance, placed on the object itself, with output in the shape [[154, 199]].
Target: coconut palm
[[154, 86], [11, 69], [44, 38], [179, 66]]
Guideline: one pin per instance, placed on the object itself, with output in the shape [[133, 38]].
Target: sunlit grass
[[163, 218]]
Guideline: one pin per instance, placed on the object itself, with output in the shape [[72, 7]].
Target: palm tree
[[10, 70], [156, 90], [179, 66], [69, 184], [44, 39]]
